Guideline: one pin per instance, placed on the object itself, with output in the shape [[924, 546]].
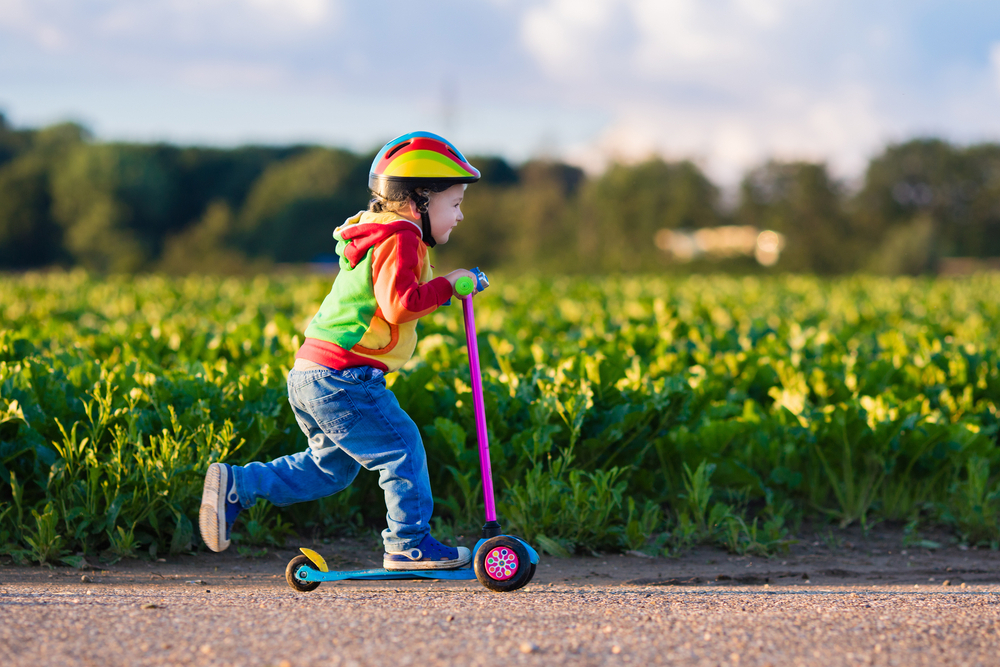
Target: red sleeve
[[396, 269]]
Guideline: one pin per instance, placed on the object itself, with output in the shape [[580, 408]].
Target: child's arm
[[396, 275]]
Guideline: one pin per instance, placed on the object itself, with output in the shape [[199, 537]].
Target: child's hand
[[461, 273]]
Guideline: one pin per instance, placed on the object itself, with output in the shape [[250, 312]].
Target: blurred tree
[[114, 202], [541, 216], [800, 200], [207, 175], [899, 189], [930, 182], [207, 246], [516, 219], [293, 208], [975, 231], [55, 140], [12, 142], [624, 208], [122, 207], [906, 249], [28, 235], [495, 171]]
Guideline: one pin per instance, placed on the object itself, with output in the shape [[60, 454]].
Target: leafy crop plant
[[852, 401]]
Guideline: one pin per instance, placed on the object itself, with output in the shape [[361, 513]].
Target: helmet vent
[[397, 148]]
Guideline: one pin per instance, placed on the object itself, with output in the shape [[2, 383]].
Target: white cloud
[[664, 36], [565, 35], [91, 23], [763, 12], [713, 81], [729, 83], [232, 44], [26, 18], [842, 127], [306, 12], [675, 33]]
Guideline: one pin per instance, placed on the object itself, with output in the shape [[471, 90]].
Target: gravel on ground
[[218, 609]]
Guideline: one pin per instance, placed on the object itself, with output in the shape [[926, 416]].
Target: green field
[[624, 413]]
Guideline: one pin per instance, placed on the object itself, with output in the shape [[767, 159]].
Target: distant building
[[724, 242], [964, 266]]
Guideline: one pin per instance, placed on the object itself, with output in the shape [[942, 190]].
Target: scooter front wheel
[[291, 575], [531, 573], [503, 564]]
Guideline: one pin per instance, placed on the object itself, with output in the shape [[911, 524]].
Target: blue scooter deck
[[311, 574]]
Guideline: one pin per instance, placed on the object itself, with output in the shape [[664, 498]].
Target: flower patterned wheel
[[502, 564]]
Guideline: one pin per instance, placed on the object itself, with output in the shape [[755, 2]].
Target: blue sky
[[728, 83]]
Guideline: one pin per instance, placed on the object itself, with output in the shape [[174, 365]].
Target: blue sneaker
[[428, 555], [219, 493]]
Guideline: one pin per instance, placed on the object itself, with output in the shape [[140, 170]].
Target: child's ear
[[412, 209]]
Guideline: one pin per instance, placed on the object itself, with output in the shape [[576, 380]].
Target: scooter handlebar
[[482, 282], [464, 285]]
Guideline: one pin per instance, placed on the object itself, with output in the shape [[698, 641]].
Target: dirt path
[[818, 606]]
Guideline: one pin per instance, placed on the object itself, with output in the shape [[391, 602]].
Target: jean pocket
[[334, 412]]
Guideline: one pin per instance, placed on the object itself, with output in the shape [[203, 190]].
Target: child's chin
[[441, 240]]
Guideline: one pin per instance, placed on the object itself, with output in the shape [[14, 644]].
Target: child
[[366, 327]]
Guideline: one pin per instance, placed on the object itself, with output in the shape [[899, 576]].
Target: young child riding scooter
[[365, 328]]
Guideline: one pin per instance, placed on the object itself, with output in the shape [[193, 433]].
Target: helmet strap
[[425, 226], [422, 201]]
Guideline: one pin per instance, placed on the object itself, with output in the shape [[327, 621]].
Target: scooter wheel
[[292, 571], [531, 574], [502, 564]]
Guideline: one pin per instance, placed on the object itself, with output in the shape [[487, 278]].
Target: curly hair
[[397, 198]]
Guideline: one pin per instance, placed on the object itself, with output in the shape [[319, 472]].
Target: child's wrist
[[444, 289]]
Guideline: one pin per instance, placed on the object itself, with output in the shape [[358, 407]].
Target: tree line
[[68, 200]]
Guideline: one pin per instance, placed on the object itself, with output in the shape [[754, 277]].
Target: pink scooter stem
[[480, 408]]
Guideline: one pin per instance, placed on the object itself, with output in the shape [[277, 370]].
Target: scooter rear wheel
[[502, 564], [292, 571]]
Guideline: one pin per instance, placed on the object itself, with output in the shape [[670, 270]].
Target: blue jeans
[[352, 421]]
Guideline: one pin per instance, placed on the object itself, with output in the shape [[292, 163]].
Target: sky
[[726, 83]]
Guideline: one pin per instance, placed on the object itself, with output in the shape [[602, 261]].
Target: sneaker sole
[[212, 521], [464, 558]]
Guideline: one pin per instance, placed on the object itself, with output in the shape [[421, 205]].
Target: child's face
[[445, 211]]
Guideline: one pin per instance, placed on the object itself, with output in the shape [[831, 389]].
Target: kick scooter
[[500, 562]]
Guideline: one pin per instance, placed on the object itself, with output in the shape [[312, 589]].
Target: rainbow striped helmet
[[418, 159]]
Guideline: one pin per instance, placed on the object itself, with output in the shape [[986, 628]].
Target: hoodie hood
[[365, 229]]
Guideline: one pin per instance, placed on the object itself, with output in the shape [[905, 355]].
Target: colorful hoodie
[[385, 285]]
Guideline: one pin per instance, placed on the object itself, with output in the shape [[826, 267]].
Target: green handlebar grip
[[465, 286]]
